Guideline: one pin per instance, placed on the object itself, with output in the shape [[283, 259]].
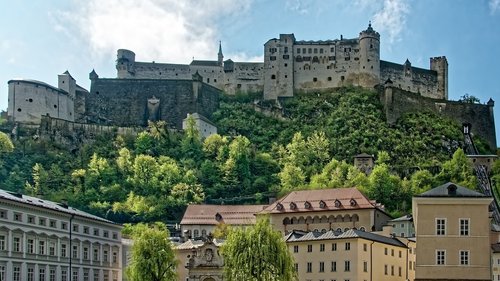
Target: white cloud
[[9, 49], [162, 30], [494, 6], [299, 6], [391, 19]]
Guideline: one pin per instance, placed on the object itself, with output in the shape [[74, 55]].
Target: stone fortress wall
[[29, 99]]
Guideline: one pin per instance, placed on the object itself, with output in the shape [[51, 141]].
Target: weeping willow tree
[[257, 253], [153, 258]]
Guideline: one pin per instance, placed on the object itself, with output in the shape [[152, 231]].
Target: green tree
[[257, 253], [458, 170], [191, 145], [5, 143], [153, 258]]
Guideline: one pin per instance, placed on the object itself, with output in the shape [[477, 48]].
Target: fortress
[[144, 91]]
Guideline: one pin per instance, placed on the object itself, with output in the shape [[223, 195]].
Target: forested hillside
[[154, 175]]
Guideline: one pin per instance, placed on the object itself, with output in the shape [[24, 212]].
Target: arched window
[[203, 233], [196, 233], [362, 228], [279, 207], [273, 77]]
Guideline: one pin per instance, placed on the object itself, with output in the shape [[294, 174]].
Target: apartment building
[[452, 227], [351, 255], [42, 240]]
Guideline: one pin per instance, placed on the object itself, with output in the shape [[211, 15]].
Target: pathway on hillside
[[484, 182]]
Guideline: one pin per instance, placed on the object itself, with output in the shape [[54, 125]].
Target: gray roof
[[445, 190], [403, 218], [205, 62], [387, 64], [333, 235], [46, 204]]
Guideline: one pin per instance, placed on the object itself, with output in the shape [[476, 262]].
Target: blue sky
[[40, 39]]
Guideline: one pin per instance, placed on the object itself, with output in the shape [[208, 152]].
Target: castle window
[[273, 77], [315, 59], [315, 79], [293, 206], [208, 80], [279, 206], [307, 205], [347, 58], [238, 86], [285, 57], [309, 50], [315, 50], [286, 76], [337, 203], [215, 80], [320, 51], [160, 73], [332, 49], [322, 204], [356, 59], [272, 58], [19, 110], [55, 105], [329, 78], [303, 50], [97, 92], [371, 46], [298, 50], [286, 48], [30, 100]]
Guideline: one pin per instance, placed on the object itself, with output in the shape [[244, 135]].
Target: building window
[[2, 272], [464, 257], [52, 248], [464, 227], [440, 226], [105, 234], [64, 275], [115, 235], [385, 251], [18, 217], [334, 246], [63, 250], [295, 248], [321, 266], [96, 254], [196, 233], [75, 251], [85, 276], [17, 244], [2, 242], [42, 221], [85, 253], [392, 252], [75, 275], [86, 230], [321, 247], [105, 255], [31, 274], [347, 246], [347, 266], [16, 275], [309, 248], [440, 257], [96, 275], [334, 266], [399, 271], [315, 79], [41, 274], [392, 270], [3, 214], [273, 77], [365, 266], [309, 267], [75, 227], [64, 225], [31, 219], [385, 270], [296, 267], [52, 274], [115, 257], [30, 246]]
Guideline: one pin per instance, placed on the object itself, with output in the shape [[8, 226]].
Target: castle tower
[[220, 56], [440, 65], [67, 83], [125, 61], [369, 60], [278, 67]]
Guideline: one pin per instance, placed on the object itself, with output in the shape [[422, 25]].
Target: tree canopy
[[257, 253], [153, 258]]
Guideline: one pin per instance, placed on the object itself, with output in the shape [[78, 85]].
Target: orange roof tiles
[[321, 200], [229, 214]]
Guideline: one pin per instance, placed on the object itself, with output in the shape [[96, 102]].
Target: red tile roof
[[321, 200], [229, 214]]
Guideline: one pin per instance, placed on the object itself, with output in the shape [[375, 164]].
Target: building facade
[[403, 226], [452, 227], [351, 255], [45, 241], [322, 210]]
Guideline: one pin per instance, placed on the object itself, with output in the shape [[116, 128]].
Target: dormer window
[[279, 207], [353, 202], [293, 206], [307, 205], [322, 204], [337, 203], [218, 217]]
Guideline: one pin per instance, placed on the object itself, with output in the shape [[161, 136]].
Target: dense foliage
[[257, 253], [153, 175]]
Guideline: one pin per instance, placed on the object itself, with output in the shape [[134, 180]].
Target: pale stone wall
[[29, 100]]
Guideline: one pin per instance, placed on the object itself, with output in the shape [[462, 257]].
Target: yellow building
[[452, 229], [351, 255], [321, 210]]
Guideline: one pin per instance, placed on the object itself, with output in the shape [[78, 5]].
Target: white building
[[42, 240]]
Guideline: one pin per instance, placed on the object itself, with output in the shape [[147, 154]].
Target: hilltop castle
[[290, 65], [144, 91]]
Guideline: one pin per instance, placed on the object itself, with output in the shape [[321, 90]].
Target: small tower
[[93, 75], [369, 60], [67, 83], [125, 60], [440, 65], [220, 56], [407, 67]]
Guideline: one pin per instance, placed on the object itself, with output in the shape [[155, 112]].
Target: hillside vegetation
[[154, 175]]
